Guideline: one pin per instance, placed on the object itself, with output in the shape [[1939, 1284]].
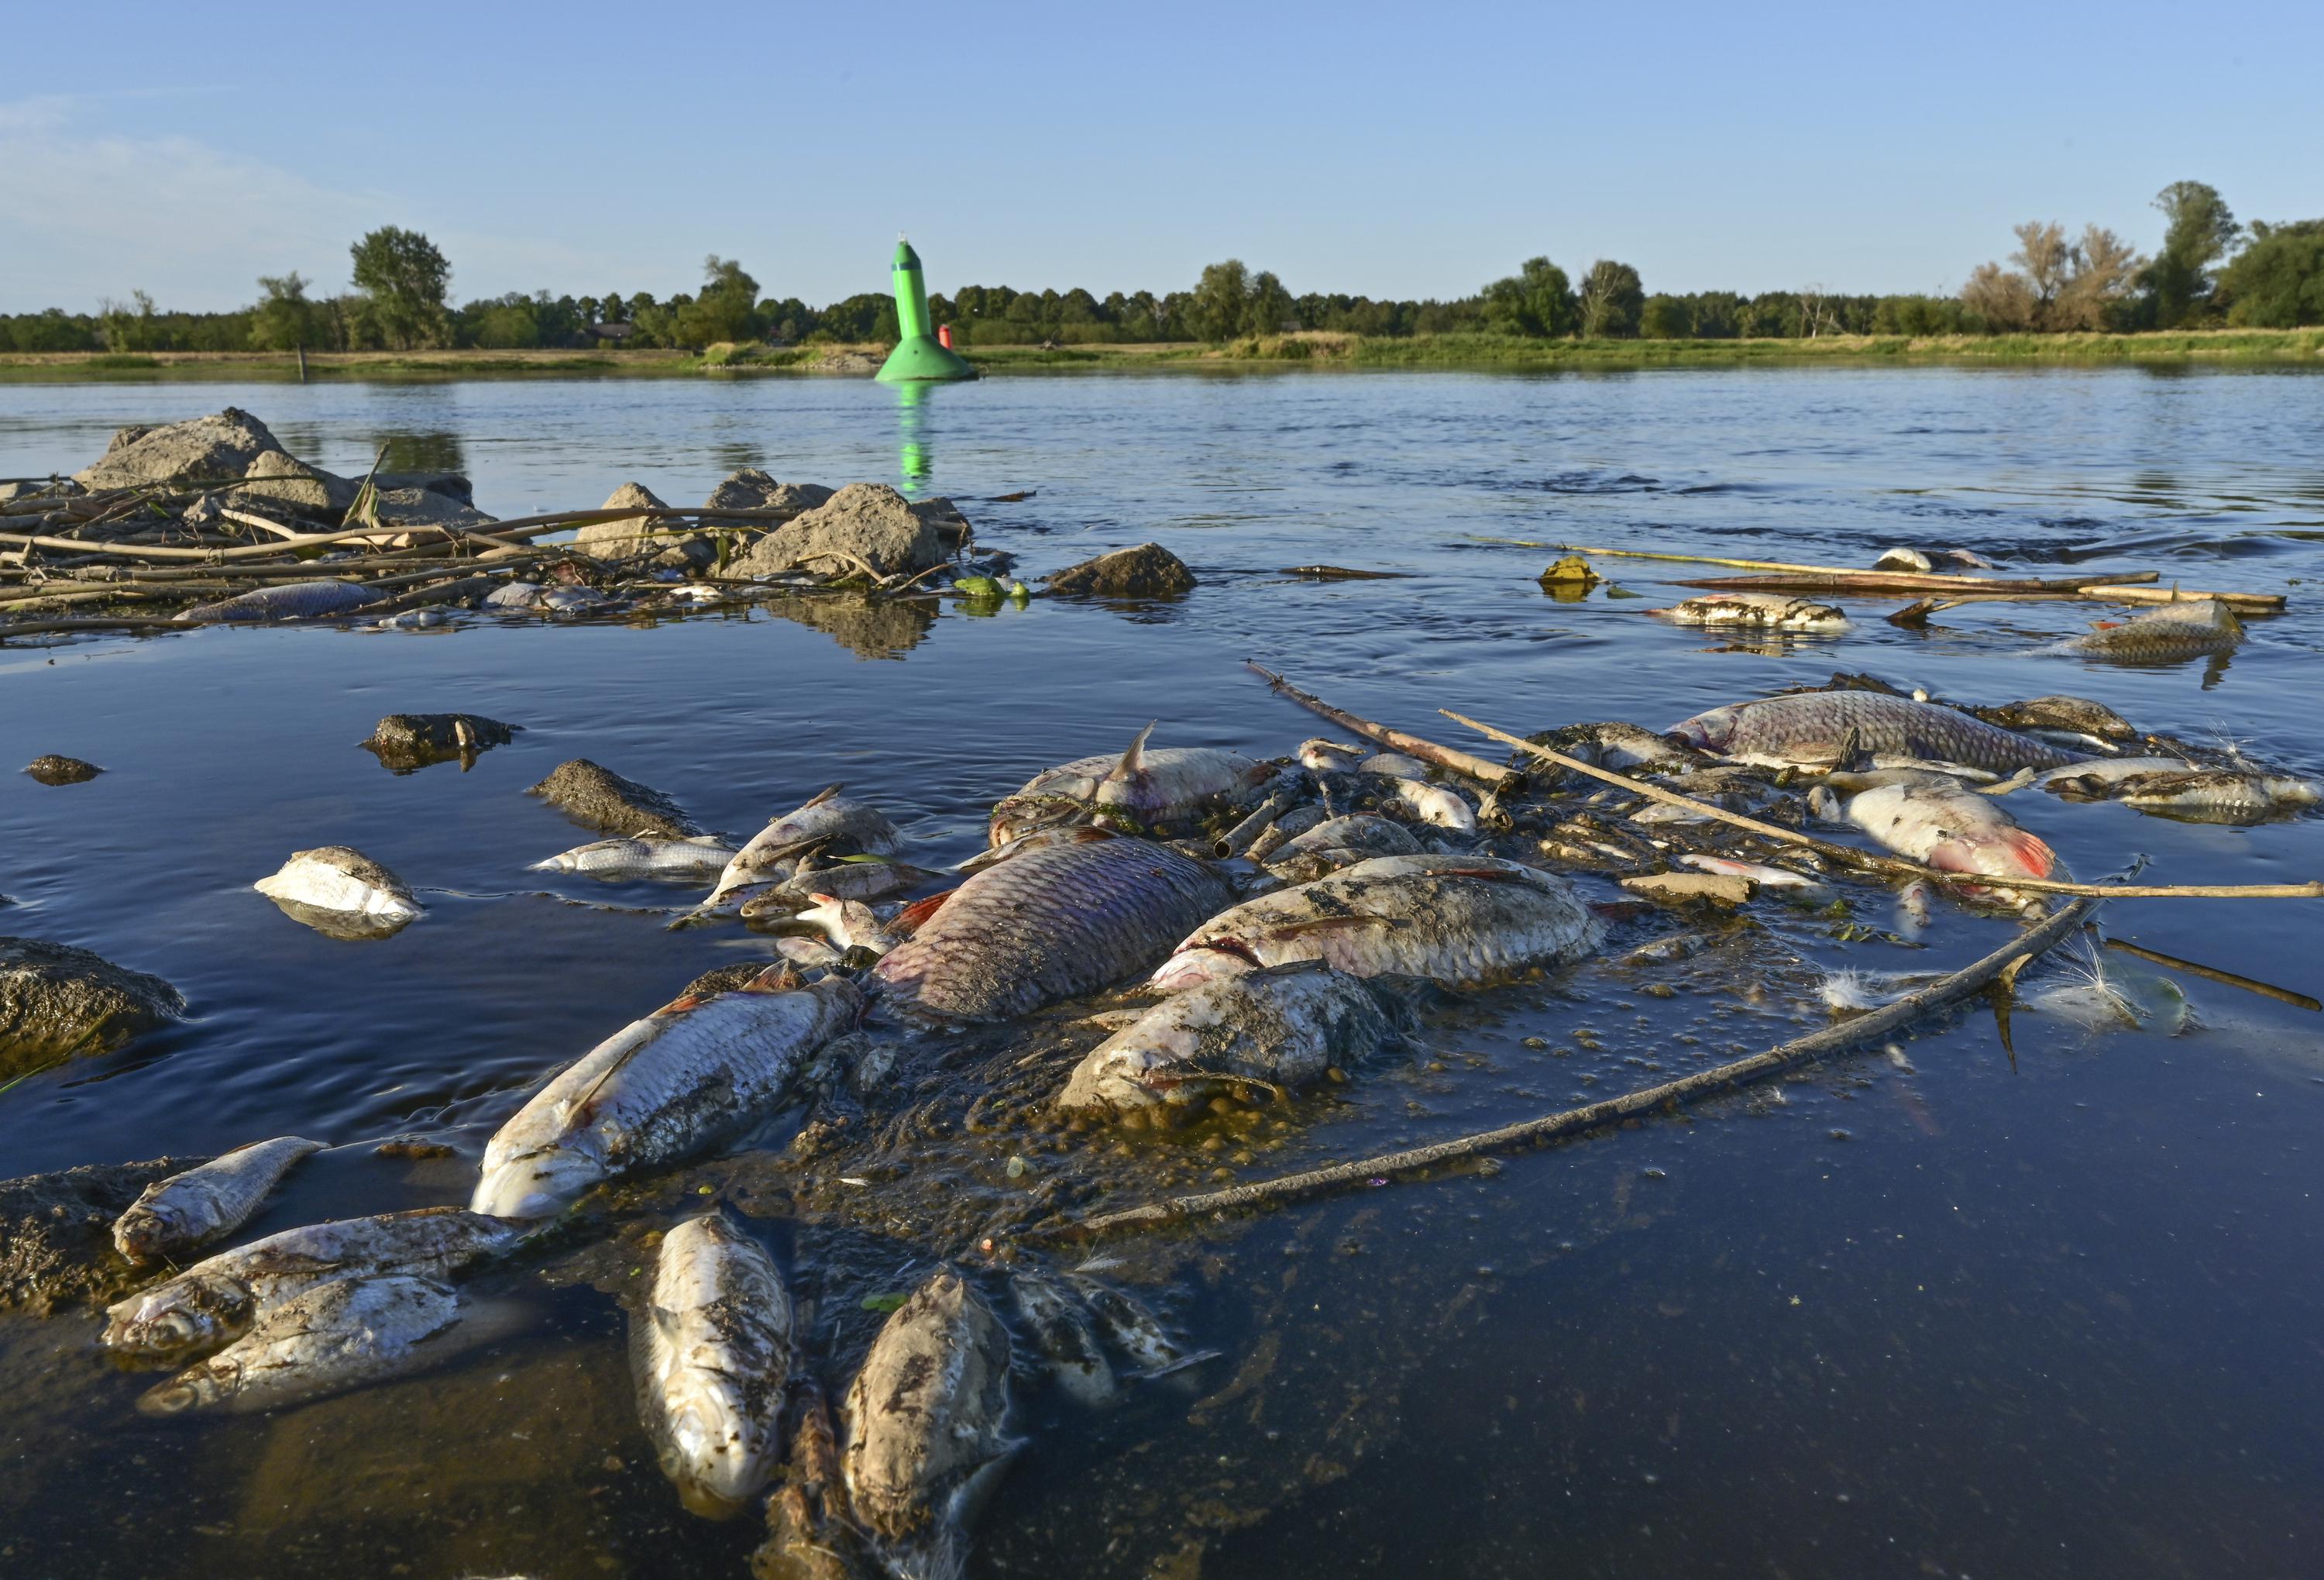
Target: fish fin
[[2031, 850], [782, 976], [685, 1002], [909, 920], [1133, 762]]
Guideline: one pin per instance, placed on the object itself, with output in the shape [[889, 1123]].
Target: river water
[[1950, 1308]]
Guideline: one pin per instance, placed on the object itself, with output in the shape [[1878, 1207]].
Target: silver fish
[[1041, 838], [324, 1340], [1757, 612], [1432, 804], [2074, 715], [1357, 831], [2098, 780], [1323, 756], [298, 600], [712, 1352], [1283, 1025], [1060, 1329], [515, 595], [866, 880], [1793, 886], [334, 878], [1045, 926], [925, 1435], [1936, 819], [1395, 765], [1451, 918], [1626, 748], [1810, 727], [838, 825], [2162, 634], [206, 1203], [216, 1299], [1143, 788], [657, 1090], [617, 860], [2218, 794], [1130, 1325]]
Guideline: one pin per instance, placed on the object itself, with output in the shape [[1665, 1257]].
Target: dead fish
[[1282, 1026], [657, 1090], [334, 878], [324, 1340], [846, 924], [1451, 918], [2217, 794], [712, 1352], [1432, 804], [1925, 561], [413, 620], [1130, 1325], [1045, 926], [1040, 838], [836, 823], [1793, 886], [1394, 765], [811, 954], [855, 878], [1059, 1326], [216, 1299], [2162, 634], [926, 1424], [617, 860], [1625, 748], [1322, 756], [1143, 788], [1935, 819], [1284, 830], [1812, 728], [1357, 831], [1757, 612], [209, 1202], [2071, 715], [2098, 780], [298, 600], [515, 595]]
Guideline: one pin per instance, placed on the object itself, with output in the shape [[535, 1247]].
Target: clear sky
[[1408, 151]]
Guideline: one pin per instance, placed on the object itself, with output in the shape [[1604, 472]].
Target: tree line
[[2209, 270]]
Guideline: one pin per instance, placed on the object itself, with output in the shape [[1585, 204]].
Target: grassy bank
[[2254, 347]]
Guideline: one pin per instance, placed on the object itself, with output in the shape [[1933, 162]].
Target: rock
[[40, 488], [1147, 571], [952, 527], [861, 364], [1571, 569], [1691, 887], [424, 507], [450, 484], [409, 741], [52, 768], [56, 1232], [57, 1003], [216, 446], [602, 799], [865, 522], [287, 480], [670, 542], [752, 489]]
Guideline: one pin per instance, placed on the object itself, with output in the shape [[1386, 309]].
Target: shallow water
[[1943, 1311]]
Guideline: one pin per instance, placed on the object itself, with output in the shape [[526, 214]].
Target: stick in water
[[1491, 775]]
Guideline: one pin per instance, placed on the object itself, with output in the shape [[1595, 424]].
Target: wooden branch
[[2212, 973], [1491, 775]]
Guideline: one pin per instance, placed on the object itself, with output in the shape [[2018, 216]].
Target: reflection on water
[[1796, 1332], [914, 462]]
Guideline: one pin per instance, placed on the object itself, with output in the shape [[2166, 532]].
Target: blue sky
[[1407, 152]]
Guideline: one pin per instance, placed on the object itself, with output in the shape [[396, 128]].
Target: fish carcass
[[1060, 1328], [926, 1438], [621, 859], [1757, 612], [1053, 922], [298, 600], [2218, 792], [712, 1351], [1142, 788], [1338, 842], [205, 1203], [832, 823], [324, 1340], [658, 1089], [1936, 819], [1454, 919], [2163, 634], [216, 1299], [1281, 1026], [1812, 728], [2076, 715], [334, 879]]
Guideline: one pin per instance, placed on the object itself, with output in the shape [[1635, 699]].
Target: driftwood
[[2212, 973], [1491, 775], [1668, 1096]]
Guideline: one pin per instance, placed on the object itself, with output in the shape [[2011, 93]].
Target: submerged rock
[[404, 741], [863, 524], [1147, 571], [668, 539], [217, 447], [51, 769], [59, 1003], [602, 799], [56, 1232]]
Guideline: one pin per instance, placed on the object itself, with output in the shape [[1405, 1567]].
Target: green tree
[[129, 325], [1536, 301], [1219, 300], [2278, 281], [2098, 288], [284, 319], [1268, 307], [1666, 317], [406, 279], [2197, 231], [1612, 300], [727, 309]]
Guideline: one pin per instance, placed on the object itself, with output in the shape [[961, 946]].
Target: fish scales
[[1048, 925], [712, 1352], [1811, 728], [205, 1203], [324, 1340], [300, 600]]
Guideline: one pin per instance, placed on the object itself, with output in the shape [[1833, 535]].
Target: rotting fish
[[1281, 1026], [207, 1202], [926, 1426], [1626, 748], [1322, 756], [325, 1339], [334, 878], [1454, 919], [2072, 715], [658, 1089], [1142, 789], [863, 878], [617, 860], [1394, 764], [1130, 1325], [1814, 728], [2203, 794], [1757, 612], [1048, 925], [831, 822], [1795, 887], [1936, 819], [847, 924], [712, 1352], [1033, 839], [1060, 1329], [1924, 561], [1357, 831], [216, 1299], [298, 600], [1432, 804], [2162, 634]]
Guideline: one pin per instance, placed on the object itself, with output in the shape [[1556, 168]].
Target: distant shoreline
[[2295, 347]]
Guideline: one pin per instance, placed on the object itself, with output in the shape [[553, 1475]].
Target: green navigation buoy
[[918, 354]]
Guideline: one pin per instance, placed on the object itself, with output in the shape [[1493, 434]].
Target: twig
[[2265, 990], [1238, 839], [1883, 581], [1491, 775], [1892, 863], [1570, 1121]]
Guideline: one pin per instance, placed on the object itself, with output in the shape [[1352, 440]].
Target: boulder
[[863, 524], [287, 480], [752, 489], [57, 1003], [56, 1232], [219, 445], [424, 507], [1147, 571], [602, 799], [670, 542], [51, 769], [408, 741], [952, 527]]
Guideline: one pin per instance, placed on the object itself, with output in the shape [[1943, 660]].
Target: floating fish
[[1281, 1026], [657, 1090], [2163, 634], [618, 860], [1060, 1329], [1812, 728], [1757, 612], [1394, 765], [298, 600], [324, 1340], [1357, 831], [2072, 715], [1936, 819], [1143, 788], [712, 1351], [345, 882], [1432, 804], [1322, 756], [832, 823], [1130, 1325], [209, 1202], [1922, 561], [1625, 748], [1793, 886], [2222, 792], [1451, 918], [1047, 925]]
